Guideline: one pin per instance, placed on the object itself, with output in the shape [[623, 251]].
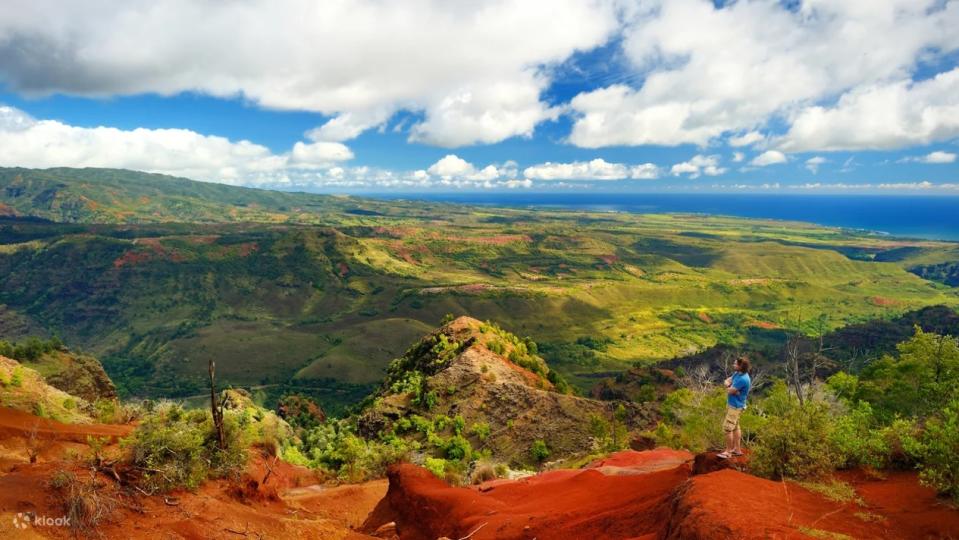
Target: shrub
[[937, 449], [175, 448], [84, 503], [483, 472], [111, 411], [16, 379], [539, 451], [693, 420], [335, 448], [481, 430], [856, 441], [459, 424], [436, 466], [795, 444], [458, 448]]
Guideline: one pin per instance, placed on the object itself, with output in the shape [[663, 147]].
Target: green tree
[[539, 451]]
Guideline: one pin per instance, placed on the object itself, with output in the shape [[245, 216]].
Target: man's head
[[742, 364]]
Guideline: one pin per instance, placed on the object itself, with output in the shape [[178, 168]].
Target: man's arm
[[732, 390]]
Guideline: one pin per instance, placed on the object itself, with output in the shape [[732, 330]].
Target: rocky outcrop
[[708, 462], [77, 374], [499, 390]]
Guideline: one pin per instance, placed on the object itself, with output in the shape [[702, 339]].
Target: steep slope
[[78, 374], [492, 389], [25, 390]]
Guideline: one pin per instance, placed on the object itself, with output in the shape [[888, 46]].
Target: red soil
[[910, 509], [559, 505], [649, 495], [603, 503], [15, 423], [633, 462]]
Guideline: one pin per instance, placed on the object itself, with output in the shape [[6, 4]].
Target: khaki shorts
[[731, 422]]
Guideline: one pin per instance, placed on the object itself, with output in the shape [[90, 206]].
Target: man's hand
[[728, 382]]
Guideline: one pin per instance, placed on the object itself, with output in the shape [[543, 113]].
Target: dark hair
[[742, 364]]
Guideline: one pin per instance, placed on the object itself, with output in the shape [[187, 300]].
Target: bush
[[857, 441], [335, 448], [16, 379], [458, 448], [481, 430], [539, 451], [436, 466], [795, 443], [693, 420], [937, 449], [174, 448]]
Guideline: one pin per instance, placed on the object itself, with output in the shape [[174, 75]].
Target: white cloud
[[815, 162], [698, 166], [318, 154], [769, 157], [451, 166], [738, 157], [935, 158], [596, 169], [939, 157], [709, 71], [882, 116], [746, 139], [472, 72], [28, 142]]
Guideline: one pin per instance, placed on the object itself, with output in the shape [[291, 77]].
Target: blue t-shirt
[[742, 383]]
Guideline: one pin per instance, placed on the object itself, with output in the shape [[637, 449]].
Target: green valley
[[156, 275]]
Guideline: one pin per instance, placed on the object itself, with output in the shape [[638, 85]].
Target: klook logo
[[23, 520]]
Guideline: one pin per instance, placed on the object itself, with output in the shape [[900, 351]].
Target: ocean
[[912, 216]]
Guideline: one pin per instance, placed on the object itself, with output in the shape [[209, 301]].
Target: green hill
[[319, 293]]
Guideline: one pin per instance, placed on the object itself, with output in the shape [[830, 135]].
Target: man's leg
[[730, 441], [737, 439]]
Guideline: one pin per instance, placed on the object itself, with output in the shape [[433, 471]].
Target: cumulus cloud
[[473, 73], [814, 163], [27, 142], [698, 166], [882, 116], [596, 169], [769, 157], [453, 167], [708, 71], [935, 158]]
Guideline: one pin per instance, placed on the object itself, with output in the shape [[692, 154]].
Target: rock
[[708, 462]]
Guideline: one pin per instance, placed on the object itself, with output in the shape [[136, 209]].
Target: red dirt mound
[[731, 504], [666, 502], [557, 505], [633, 462], [908, 508], [213, 511]]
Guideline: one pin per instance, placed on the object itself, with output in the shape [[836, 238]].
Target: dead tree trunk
[[216, 409]]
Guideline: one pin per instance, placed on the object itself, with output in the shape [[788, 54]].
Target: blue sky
[[844, 95]]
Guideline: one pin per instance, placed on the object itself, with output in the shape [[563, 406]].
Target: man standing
[[737, 389]]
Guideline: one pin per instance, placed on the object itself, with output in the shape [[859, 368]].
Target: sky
[[439, 95]]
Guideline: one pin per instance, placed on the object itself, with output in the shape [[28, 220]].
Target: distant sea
[[932, 217]]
